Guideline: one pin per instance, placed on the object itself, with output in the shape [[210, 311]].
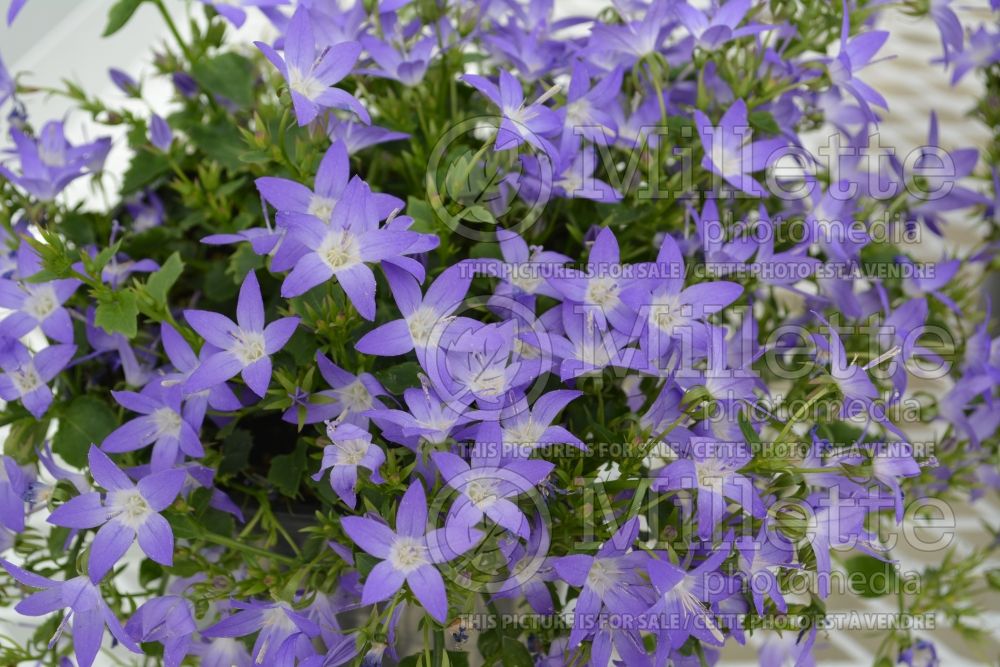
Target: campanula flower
[[161, 423], [83, 607], [310, 75], [27, 377], [409, 553], [126, 513], [243, 347]]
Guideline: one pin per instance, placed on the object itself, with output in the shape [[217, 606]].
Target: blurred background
[[61, 39]]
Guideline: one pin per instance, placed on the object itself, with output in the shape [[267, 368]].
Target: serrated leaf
[[119, 15], [117, 313], [86, 420], [163, 279]]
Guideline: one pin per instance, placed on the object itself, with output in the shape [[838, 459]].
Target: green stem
[[173, 30], [817, 394], [224, 541]]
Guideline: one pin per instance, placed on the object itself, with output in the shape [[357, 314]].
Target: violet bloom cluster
[[318, 400]]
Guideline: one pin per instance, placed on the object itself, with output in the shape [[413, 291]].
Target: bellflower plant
[[473, 332]]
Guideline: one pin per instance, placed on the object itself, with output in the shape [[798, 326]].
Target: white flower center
[[408, 554], [491, 381], [682, 593], [604, 574], [321, 207], [168, 422], [340, 250], [305, 85], [603, 291], [527, 432], [482, 492], [129, 507], [26, 379], [352, 452], [665, 313], [526, 277], [355, 397], [41, 301], [422, 324], [249, 346]]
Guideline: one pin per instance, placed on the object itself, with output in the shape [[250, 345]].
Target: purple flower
[[220, 397], [487, 486], [612, 578], [124, 82], [341, 248], [223, 652], [332, 177], [759, 562], [8, 87], [117, 271], [424, 318], [167, 620], [855, 54], [983, 50], [674, 313], [729, 151], [350, 449], [890, 461], [358, 136], [84, 608], [37, 304], [921, 654], [409, 553], [428, 418], [26, 377], [519, 122], [161, 425], [534, 428], [244, 346], [13, 9], [683, 598], [285, 634], [160, 134], [128, 512], [712, 32], [233, 10], [348, 400], [310, 74], [14, 486], [712, 470], [408, 65], [49, 163], [146, 210], [601, 287]]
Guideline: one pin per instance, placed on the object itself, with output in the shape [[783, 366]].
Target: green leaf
[[117, 313], [24, 436], [515, 654], [229, 75], [119, 15], [287, 470], [764, 121], [400, 377], [162, 280], [235, 451], [221, 142], [870, 577], [86, 420], [145, 168]]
